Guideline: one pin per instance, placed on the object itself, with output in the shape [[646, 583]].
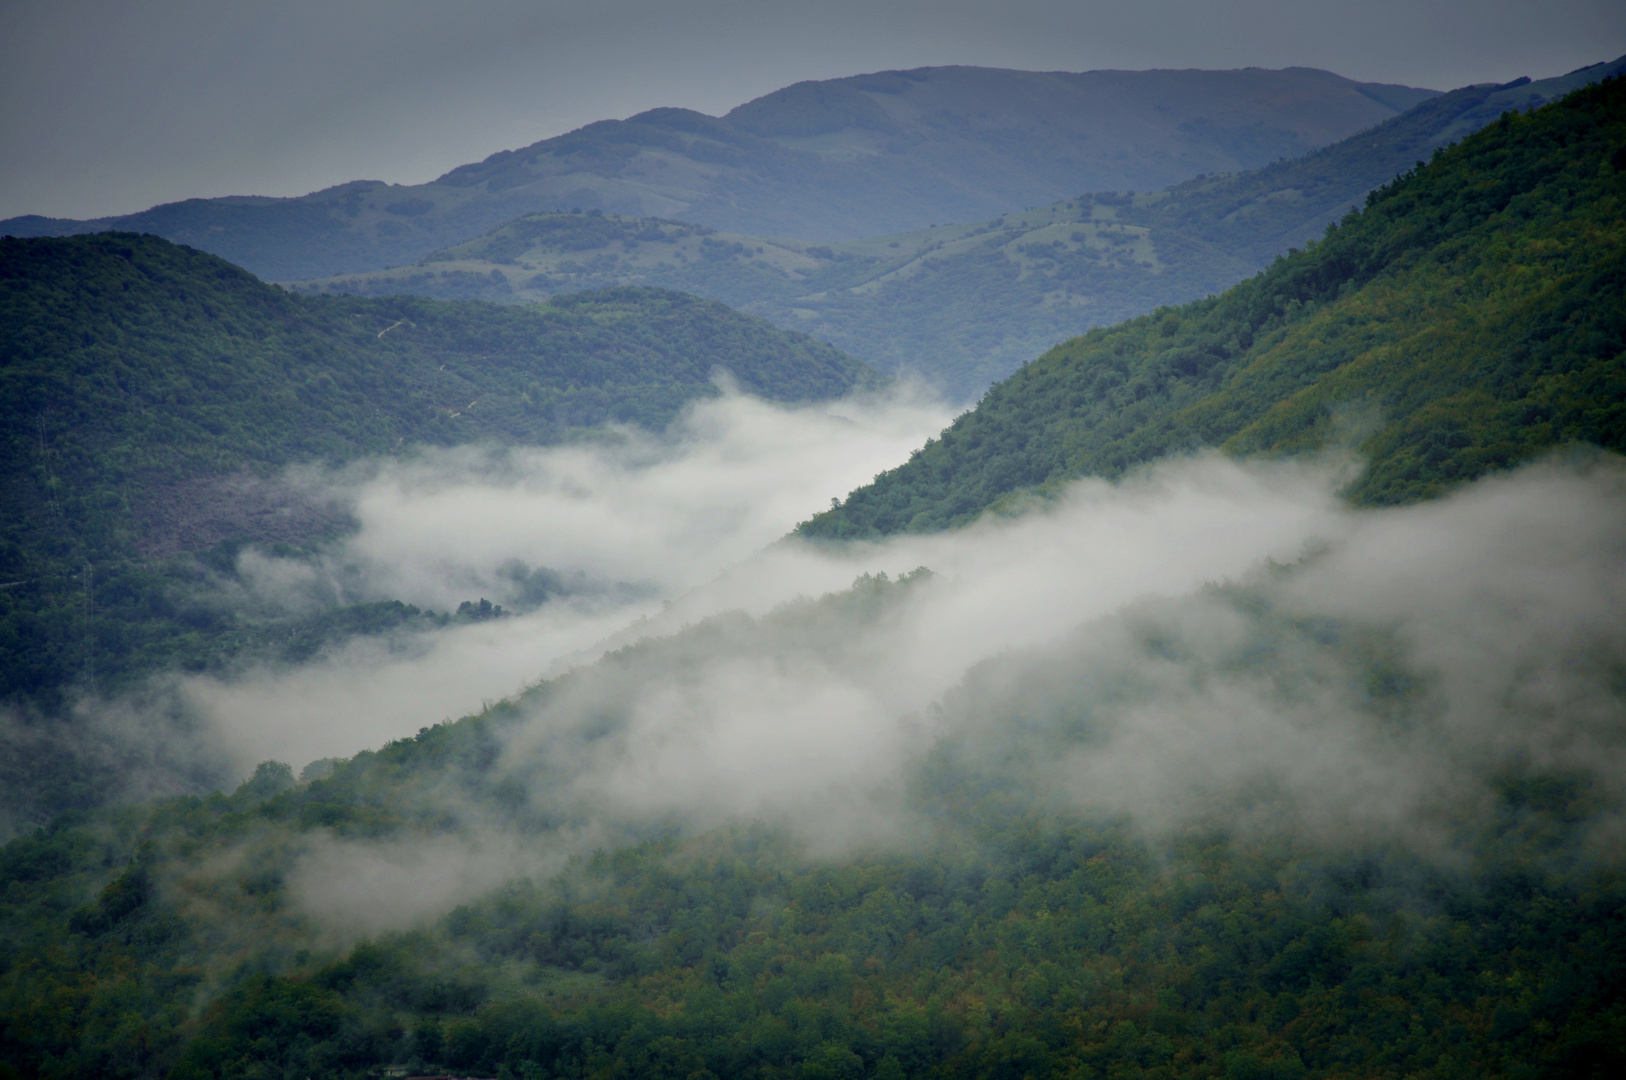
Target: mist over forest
[[615, 681]]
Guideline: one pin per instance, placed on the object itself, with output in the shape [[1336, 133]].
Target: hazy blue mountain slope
[[820, 161], [1472, 315], [1257, 216], [542, 255], [963, 305]]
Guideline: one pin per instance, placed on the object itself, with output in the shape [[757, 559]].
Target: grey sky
[[109, 106]]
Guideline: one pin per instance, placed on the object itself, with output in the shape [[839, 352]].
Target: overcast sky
[[109, 106]]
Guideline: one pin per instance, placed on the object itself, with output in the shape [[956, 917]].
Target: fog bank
[[1209, 643], [1409, 661], [589, 536]]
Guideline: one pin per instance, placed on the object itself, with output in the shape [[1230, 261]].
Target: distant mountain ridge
[[824, 161], [963, 305]]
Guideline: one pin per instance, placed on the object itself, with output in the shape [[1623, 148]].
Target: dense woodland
[[1467, 319], [1007, 937]]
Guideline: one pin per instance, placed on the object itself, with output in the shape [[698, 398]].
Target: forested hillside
[[820, 161], [964, 305], [152, 394], [1469, 317], [181, 361], [1002, 932]]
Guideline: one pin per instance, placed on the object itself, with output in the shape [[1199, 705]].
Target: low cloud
[[1209, 641], [370, 691], [353, 888], [670, 511], [140, 746], [617, 525], [1205, 641]]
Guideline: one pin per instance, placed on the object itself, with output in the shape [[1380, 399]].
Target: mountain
[[1258, 216], [1356, 814], [825, 160], [152, 394], [1469, 317], [963, 305]]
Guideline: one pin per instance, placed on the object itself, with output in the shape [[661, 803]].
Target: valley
[[571, 629]]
